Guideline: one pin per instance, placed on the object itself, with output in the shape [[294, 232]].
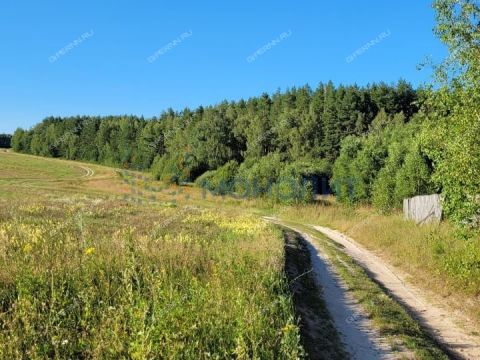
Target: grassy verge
[[95, 278]]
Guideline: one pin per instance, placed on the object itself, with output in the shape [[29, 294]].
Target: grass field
[[86, 275]]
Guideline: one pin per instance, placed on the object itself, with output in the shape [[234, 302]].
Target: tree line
[[298, 131]]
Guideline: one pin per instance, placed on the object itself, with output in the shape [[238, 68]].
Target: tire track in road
[[88, 172], [458, 342], [360, 339]]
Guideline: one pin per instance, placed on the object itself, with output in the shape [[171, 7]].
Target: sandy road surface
[[361, 341], [441, 323]]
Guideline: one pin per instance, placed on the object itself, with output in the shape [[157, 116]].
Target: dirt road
[[360, 340], [355, 329], [441, 323]]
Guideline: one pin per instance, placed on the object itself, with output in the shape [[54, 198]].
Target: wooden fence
[[423, 209]]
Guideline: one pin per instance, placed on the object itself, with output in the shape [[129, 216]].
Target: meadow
[[99, 262], [84, 274]]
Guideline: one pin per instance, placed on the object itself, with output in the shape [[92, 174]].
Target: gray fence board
[[423, 209]]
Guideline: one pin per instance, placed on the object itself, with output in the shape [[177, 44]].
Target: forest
[[293, 133], [375, 144]]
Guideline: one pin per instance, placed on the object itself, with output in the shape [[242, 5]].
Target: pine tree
[[331, 126]]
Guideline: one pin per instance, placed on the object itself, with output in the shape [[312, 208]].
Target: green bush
[[359, 162], [256, 177], [383, 188], [341, 181], [206, 180], [295, 184], [406, 172], [290, 190], [174, 169], [165, 168], [415, 176], [308, 168], [220, 181]]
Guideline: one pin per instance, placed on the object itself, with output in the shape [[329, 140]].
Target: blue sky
[[108, 72]]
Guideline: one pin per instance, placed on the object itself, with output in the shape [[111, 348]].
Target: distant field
[[86, 275], [27, 174]]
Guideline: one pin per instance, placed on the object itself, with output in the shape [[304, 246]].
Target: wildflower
[[289, 327], [27, 248], [89, 251]]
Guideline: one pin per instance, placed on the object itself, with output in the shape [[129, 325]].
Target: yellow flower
[[27, 248], [89, 251], [289, 327]]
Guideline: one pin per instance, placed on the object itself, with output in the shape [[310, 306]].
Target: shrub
[[414, 177], [256, 177], [296, 182], [342, 169], [383, 189], [406, 172], [206, 180], [174, 169], [220, 181], [291, 190], [358, 164], [165, 168]]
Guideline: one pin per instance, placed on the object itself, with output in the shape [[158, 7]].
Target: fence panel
[[423, 209]]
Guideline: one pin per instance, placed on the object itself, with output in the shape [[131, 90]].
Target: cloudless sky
[[108, 73]]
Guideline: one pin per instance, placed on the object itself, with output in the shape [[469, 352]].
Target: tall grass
[[107, 279]]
